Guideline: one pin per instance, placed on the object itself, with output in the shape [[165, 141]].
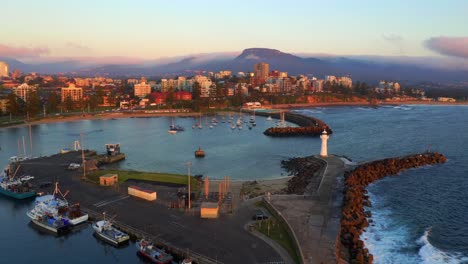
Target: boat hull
[[24, 195], [50, 228], [153, 260], [110, 240], [79, 220]]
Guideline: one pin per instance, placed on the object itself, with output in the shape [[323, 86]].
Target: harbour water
[[419, 216]]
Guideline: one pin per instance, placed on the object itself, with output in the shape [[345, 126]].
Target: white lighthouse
[[323, 150]]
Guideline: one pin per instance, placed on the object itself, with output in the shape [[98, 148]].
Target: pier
[[308, 126], [223, 240], [313, 217]]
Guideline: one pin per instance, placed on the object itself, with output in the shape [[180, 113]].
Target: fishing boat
[[42, 218], [107, 232], [56, 205], [18, 188], [151, 252], [199, 153]]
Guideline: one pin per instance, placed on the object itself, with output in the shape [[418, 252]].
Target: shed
[[108, 179], [209, 210], [136, 191]]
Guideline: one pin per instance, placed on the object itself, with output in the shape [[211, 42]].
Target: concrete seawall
[[314, 217]]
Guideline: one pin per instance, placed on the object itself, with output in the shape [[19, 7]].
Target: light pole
[[83, 157], [188, 177]]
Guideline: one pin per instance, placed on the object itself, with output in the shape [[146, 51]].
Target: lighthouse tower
[[323, 150]]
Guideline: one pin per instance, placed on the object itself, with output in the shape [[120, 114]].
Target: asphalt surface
[[223, 239]]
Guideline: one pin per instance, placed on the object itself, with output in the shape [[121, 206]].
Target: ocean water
[[419, 216]]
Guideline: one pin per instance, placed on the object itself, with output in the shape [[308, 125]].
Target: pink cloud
[[451, 46], [10, 51]]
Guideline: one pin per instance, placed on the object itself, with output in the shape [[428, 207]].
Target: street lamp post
[[188, 176]]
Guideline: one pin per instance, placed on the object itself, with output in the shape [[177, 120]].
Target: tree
[[33, 104], [13, 104], [68, 103], [52, 102], [196, 91]]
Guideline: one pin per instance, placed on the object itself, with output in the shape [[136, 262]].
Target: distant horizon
[[151, 30]]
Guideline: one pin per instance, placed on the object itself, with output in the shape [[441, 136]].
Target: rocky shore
[[303, 171], [354, 217], [308, 126]]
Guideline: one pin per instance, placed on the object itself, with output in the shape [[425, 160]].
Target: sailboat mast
[[24, 148], [30, 141]]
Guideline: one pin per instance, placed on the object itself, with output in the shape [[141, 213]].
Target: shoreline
[[119, 115]]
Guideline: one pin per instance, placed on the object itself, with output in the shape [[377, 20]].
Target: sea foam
[[432, 255]]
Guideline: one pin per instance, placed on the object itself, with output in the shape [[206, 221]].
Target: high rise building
[[261, 72], [142, 89], [3, 69], [23, 90], [75, 93]]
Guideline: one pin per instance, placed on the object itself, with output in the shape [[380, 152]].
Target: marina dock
[[209, 241]]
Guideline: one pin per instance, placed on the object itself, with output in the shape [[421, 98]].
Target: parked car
[[260, 215], [74, 166], [26, 178]]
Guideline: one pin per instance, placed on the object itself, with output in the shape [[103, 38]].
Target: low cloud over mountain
[[358, 67], [451, 46], [20, 52]]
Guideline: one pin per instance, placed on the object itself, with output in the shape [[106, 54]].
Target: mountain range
[[358, 67]]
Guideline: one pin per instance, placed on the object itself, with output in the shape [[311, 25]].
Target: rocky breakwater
[[304, 171], [308, 126], [354, 217]]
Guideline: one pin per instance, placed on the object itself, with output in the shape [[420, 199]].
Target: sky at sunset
[[150, 29]]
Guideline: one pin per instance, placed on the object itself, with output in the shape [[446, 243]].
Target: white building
[[330, 78], [3, 69], [75, 93], [23, 90], [142, 89], [346, 81], [205, 84]]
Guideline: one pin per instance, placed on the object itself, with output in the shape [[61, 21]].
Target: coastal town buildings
[[3, 105], [23, 90], [141, 89], [3, 69], [261, 72], [387, 86], [75, 93]]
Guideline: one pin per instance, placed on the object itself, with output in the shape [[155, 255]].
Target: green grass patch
[[276, 229], [146, 176]]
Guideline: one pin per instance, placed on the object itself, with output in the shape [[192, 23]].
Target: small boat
[[211, 127], [199, 153], [269, 118], [174, 127], [64, 150], [54, 205], [233, 127], [151, 252], [172, 132], [18, 188], [49, 222], [254, 124], [107, 232]]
